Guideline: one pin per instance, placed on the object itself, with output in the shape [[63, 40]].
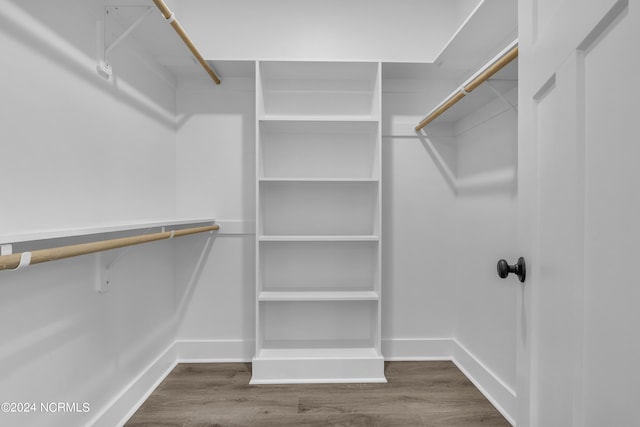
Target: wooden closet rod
[[44, 255], [466, 89], [169, 16]]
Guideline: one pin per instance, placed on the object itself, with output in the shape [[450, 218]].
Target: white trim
[[501, 396], [118, 411], [322, 381], [474, 13], [490, 385], [284, 367]]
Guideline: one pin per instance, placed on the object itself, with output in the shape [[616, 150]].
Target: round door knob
[[519, 269]]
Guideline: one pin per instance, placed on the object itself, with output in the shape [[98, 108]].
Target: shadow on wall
[[230, 104], [215, 292], [235, 97], [446, 164], [485, 160], [215, 148], [65, 34], [71, 343], [191, 262]]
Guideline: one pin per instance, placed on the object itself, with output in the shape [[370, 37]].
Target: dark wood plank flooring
[[430, 394]]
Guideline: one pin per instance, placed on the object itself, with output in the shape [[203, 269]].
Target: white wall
[[417, 251], [486, 229], [216, 176], [77, 151], [418, 247], [449, 215], [65, 342], [360, 30]]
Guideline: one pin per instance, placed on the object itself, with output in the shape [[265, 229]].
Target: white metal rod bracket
[[25, 260], [104, 263], [501, 96], [102, 279], [103, 67]]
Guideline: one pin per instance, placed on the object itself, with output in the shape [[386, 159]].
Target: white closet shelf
[[318, 296], [318, 238], [317, 118], [330, 88], [29, 236], [478, 37], [336, 180]]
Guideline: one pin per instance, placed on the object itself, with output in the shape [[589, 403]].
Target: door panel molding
[[608, 21], [576, 125], [571, 24]]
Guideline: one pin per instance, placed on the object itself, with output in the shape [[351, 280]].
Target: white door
[[579, 213]]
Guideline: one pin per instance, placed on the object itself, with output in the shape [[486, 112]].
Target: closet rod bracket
[[502, 97], [103, 50]]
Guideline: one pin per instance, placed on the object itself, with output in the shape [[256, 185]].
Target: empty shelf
[[318, 296]]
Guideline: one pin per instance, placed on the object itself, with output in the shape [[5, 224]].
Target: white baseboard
[[122, 407], [493, 388]]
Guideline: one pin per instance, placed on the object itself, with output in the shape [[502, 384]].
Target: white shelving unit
[[318, 223]]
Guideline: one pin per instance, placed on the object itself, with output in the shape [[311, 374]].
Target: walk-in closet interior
[[315, 188]]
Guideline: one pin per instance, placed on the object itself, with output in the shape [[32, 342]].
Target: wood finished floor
[[430, 394]]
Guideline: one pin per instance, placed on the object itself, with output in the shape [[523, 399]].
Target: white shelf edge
[[317, 118], [321, 91], [30, 236], [294, 179], [319, 353], [341, 380], [315, 238], [318, 296]]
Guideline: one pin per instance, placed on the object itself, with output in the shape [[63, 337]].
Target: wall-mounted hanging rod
[[170, 17], [23, 259], [483, 76]]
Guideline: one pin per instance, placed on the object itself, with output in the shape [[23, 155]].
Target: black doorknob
[[519, 269]]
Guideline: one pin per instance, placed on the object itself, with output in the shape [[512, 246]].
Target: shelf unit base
[[317, 366]]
